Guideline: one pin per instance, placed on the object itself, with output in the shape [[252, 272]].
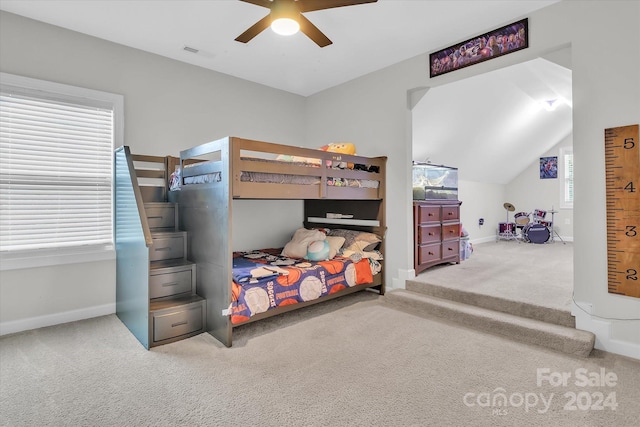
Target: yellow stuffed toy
[[342, 148]]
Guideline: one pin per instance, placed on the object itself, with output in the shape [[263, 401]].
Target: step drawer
[[159, 216], [164, 285], [183, 320], [167, 247]]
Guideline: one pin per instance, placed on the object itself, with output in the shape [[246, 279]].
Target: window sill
[[60, 256]]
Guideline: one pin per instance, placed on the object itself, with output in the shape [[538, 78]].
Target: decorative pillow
[[297, 247], [358, 241], [335, 244], [318, 251], [362, 246]]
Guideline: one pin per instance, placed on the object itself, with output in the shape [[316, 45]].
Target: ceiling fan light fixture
[[285, 26], [284, 18]]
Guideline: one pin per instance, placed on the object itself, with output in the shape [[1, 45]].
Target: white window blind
[[567, 182], [55, 170]]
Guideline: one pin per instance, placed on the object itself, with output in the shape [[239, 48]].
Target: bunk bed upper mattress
[[280, 178]]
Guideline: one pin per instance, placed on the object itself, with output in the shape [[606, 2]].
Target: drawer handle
[[451, 231], [430, 253], [430, 214], [449, 249], [431, 233], [154, 217], [184, 322], [450, 213], [169, 284], [162, 249]]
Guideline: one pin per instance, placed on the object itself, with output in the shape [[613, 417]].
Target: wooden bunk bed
[[211, 176]]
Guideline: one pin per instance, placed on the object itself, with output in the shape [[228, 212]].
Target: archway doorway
[[495, 128]]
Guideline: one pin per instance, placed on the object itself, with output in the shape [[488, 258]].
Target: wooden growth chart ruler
[[622, 162]]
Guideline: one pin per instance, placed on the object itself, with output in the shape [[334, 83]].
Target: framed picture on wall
[[501, 41], [548, 167]]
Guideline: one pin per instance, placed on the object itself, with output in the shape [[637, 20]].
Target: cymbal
[[508, 206]]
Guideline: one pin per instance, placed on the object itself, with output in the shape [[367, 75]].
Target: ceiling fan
[[286, 18]]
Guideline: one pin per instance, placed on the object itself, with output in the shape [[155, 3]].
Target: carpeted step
[[531, 331], [517, 308]]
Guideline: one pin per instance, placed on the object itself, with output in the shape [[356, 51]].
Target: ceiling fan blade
[[311, 5], [313, 32], [263, 3], [255, 29]]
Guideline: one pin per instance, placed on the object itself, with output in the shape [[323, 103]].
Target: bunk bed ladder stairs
[[158, 302], [175, 310]]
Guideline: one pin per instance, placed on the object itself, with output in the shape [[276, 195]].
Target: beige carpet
[[538, 274], [352, 361]]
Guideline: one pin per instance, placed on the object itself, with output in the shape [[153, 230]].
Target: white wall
[[528, 192], [481, 200], [605, 95], [373, 110], [169, 106]]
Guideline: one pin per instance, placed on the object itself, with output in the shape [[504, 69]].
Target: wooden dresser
[[436, 233]]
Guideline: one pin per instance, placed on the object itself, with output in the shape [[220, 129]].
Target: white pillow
[[297, 247], [335, 244]]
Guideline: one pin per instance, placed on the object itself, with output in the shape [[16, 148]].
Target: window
[[566, 190], [56, 148]]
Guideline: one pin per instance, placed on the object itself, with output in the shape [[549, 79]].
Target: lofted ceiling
[[365, 37], [492, 126]]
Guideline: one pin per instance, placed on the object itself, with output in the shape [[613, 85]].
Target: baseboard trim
[[602, 328], [403, 275], [495, 238], [483, 240], [13, 326]]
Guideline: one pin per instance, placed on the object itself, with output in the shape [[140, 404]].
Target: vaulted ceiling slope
[[492, 126], [365, 37]]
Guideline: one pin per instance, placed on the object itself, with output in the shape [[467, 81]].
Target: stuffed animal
[[318, 251], [341, 148]]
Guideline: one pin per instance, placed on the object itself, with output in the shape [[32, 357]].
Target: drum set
[[533, 226]]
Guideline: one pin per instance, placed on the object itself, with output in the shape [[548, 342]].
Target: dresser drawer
[[451, 249], [428, 253], [167, 284], [429, 234], [450, 213], [180, 321], [450, 231], [428, 214], [161, 215], [167, 247]]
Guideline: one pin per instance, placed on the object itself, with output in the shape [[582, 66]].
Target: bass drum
[[536, 233]]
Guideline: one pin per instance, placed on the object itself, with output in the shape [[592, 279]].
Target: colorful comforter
[[263, 280]]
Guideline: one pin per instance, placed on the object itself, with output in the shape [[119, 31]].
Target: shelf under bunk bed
[[211, 176]]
